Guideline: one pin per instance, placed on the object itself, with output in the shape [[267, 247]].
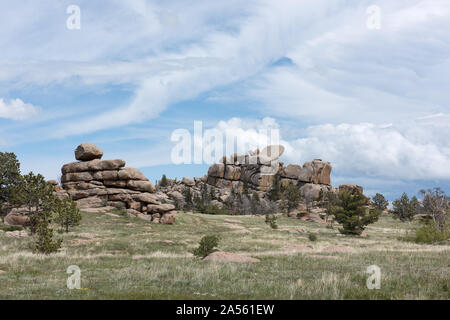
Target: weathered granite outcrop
[[95, 183], [256, 172]]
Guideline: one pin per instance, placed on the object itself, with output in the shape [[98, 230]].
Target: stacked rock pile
[[95, 183]]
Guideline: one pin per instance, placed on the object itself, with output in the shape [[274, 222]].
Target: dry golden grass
[[126, 258]]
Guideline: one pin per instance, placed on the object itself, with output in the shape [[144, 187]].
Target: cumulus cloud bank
[[355, 150]]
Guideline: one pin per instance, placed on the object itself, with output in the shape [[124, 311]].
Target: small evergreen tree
[[271, 220], [163, 183], [352, 213], [380, 202], [208, 244], [9, 176], [245, 189], [66, 213], [212, 194], [198, 204], [44, 242], [292, 196], [405, 209], [187, 198], [275, 191], [36, 195]]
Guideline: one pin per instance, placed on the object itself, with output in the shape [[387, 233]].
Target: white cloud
[[371, 150], [16, 109], [411, 151]]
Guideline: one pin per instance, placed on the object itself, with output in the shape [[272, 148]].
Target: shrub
[[312, 237], [428, 233], [66, 213], [44, 242], [271, 220], [208, 244], [10, 228], [352, 213], [380, 202], [211, 209]]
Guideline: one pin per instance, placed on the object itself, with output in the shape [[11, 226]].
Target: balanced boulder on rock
[[95, 183], [87, 151]]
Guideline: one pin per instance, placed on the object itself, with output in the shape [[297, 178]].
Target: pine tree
[[9, 176], [292, 196], [275, 192], [380, 202], [36, 195], [66, 213], [245, 189], [163, 183], [187, 198], [352, 213], [44, 242], [405, 209]]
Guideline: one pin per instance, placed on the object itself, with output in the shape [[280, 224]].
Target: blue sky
[[374, 101]]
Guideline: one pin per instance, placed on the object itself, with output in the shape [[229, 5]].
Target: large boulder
[[76, 177], [110, 175], [131, 174], [90, 202], [144, 186], [322, 172], [161, 208], [292, 171], [87, 151], [94, 165], [176, 195], [217, 170], [188, 181], [16, 217], [307, 172], [232, 172], [352, 188], [168, 218], [312, 192], [147, 198]]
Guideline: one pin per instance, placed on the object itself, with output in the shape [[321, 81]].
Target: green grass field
[[128, 258]]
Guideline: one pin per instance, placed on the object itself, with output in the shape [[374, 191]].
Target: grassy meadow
[[128, 258]]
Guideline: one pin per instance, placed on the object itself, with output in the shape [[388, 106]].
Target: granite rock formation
[[95, 183]]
